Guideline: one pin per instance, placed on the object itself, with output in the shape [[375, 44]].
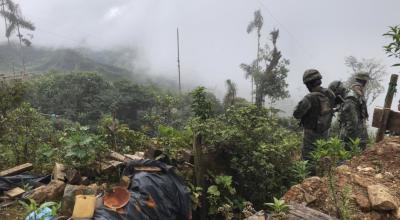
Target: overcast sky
[[314, 34]]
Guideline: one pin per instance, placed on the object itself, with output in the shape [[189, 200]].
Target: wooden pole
[[179, 62], [386, 108]]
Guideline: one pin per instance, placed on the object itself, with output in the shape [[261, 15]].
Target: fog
[[214, 42]]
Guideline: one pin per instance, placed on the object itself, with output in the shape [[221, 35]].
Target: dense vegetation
[[74, 118], [94, 103]]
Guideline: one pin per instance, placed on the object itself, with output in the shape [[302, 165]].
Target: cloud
[[112, 13]]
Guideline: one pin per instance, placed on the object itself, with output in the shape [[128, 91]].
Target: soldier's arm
[[301, 109], [350, 118]]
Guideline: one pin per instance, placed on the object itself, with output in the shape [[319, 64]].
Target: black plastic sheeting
[[154, 196], [9, 182]]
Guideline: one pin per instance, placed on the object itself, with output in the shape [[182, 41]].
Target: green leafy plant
[[300, 171], [333, 148], [278, 207], [81, 148], [393, 48], [221, 197], [33, 207], [196, 193]]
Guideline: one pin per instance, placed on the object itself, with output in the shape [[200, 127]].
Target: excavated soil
[[378, 165]]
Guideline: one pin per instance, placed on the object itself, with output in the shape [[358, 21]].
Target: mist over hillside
[[113, 64]]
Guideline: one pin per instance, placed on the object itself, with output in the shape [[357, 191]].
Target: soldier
[[340, 91], [315, 112], [354, 113]]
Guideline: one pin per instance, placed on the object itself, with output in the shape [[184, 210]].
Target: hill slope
[[372, 181], [39, 60]]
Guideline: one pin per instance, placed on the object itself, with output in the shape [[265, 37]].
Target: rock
[[257, 216], [365, 169], [59, 172], [361, 181], [73, 176], [309, 198], [85, 180], [381, 199], [73, 190], [343, 169], [49, 192], [363, 201], [397, 213], [379, 176]]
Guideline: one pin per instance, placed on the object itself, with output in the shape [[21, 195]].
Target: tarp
[[9, 182], [154, 196]]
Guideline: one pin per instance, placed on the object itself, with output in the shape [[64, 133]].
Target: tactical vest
[[319, 116]]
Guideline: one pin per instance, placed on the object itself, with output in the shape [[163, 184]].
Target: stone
[[309, 198], [85, 181], [365, 169], [343, 169], [73, 176], [59, 172], [71, 191], [397, 213], [361, 181], [257, 216], [381, 199], [48, 192], [379, 176], [363, 201]]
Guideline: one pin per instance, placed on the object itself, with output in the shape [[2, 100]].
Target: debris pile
[[144, 189], [371, 180]]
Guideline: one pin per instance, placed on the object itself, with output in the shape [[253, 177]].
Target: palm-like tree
[[16, 22], [230, 95], [256, 24]]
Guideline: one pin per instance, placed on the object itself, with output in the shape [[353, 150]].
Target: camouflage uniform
[[353, 116], [315, 112]]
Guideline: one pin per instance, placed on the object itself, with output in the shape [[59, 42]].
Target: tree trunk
[[8, 38], [21, 51]]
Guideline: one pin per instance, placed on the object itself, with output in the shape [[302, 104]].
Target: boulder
[[257, 216], [381, 199], [48, 192], [343, 169], [361, 181], [71, 191], [363, 201]]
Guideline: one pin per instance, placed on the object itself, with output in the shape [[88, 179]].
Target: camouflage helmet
[[337, 87], [310, 75], [362, 76]]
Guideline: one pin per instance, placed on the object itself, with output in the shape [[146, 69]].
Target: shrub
[[82, 149], [259, 153]]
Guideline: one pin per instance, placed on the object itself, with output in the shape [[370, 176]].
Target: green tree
[[255, 24], [374, 69], [26, 131], [393, 48], [230, 95], [270, 80], [81, 97], [17, 22]]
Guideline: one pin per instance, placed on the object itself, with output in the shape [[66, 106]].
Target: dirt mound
[[368, 186]]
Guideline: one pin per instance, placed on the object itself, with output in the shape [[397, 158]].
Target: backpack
[[319, 117]]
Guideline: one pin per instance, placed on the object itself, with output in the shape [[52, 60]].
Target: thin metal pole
[[179, 62]]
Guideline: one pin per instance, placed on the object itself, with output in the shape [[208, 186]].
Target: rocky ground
[[371, 180]]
